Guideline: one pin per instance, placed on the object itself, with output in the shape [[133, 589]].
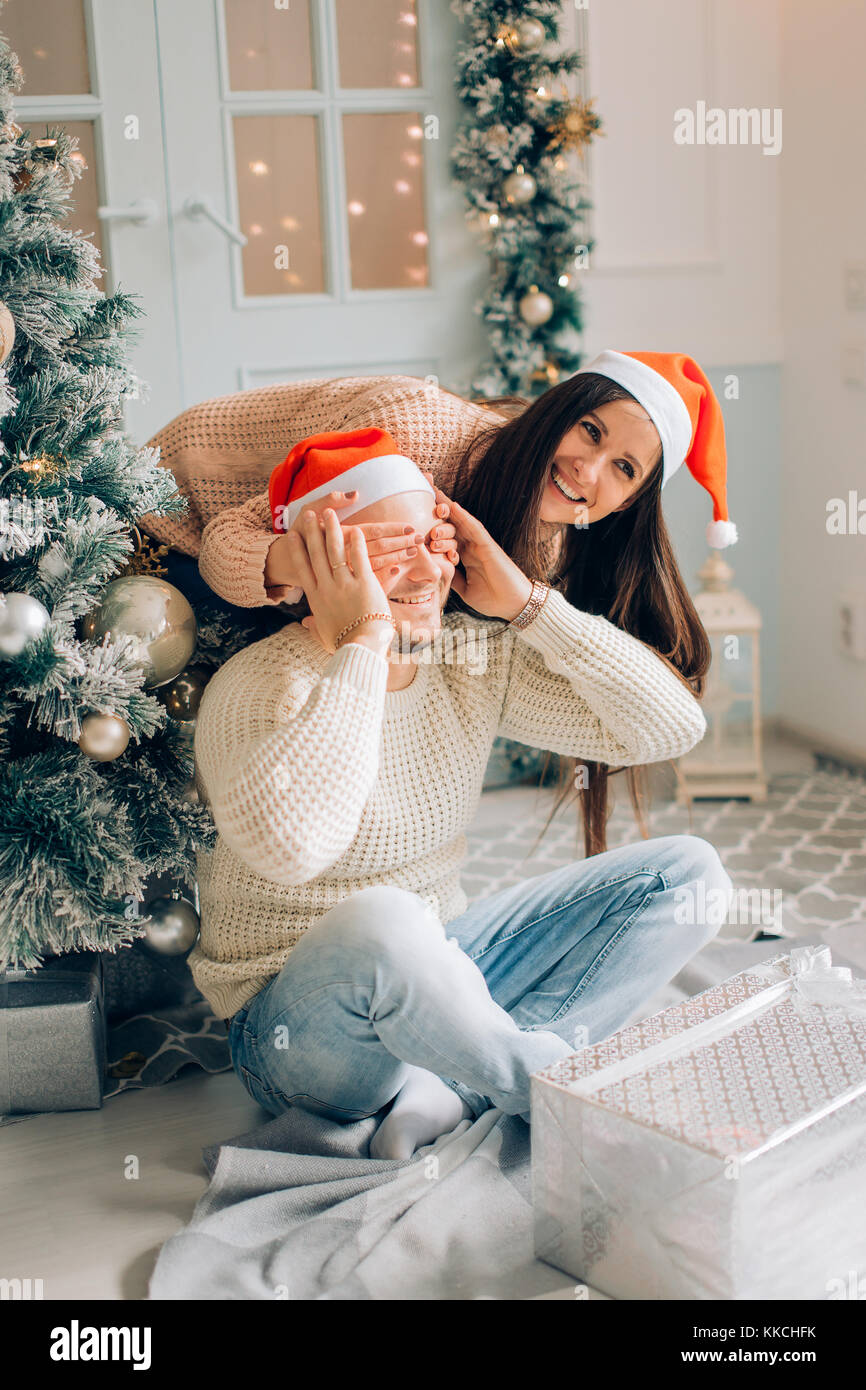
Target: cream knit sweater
[[322, 783], [222, 453]]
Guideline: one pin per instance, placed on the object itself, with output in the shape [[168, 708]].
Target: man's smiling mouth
[[563, 487], [416, 599]]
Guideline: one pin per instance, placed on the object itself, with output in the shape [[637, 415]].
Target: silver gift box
[[716, 1150], [52, 1036]]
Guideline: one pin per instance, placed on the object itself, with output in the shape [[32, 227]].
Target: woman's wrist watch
[[537, 600]]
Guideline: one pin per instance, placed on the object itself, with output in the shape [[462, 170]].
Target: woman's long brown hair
[[621, 568]]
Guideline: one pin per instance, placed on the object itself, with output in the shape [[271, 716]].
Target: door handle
[[199, 207], [145, 211]]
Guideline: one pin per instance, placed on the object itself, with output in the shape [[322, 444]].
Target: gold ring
[[339, 563]]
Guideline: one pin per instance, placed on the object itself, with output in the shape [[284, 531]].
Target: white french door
[[272, 179]]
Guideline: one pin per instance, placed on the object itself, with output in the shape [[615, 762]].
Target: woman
[[571, 490]]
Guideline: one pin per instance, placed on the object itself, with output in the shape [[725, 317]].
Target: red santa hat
[[683, 407], [367, 460]]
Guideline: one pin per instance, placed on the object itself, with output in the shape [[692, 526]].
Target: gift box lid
[[739, 1068]]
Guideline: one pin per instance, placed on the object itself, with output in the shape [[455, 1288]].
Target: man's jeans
[[526, 976]]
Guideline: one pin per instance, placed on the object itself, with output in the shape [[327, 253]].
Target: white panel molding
[[250, 376]]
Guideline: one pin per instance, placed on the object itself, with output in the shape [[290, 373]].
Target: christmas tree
[[94, 774], [512, 155]]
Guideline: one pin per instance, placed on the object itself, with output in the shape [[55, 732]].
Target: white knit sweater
[[322, 783]]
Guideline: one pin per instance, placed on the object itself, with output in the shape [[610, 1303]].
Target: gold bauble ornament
[[536, 307], [183, 697], [519, 188], [174, 926], [7, 332], [156, 615], [103, 737], [22, 618], [530, 35]]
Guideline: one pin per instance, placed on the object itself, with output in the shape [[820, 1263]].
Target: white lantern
[[729, 761]]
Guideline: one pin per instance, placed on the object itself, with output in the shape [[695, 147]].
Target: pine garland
[[521, 125]]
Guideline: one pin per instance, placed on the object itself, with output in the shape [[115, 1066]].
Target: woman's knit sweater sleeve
[[580, 686], [288, 801], [234, 549]]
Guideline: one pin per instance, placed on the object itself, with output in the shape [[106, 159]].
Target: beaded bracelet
[[367, 618], [537, 600]]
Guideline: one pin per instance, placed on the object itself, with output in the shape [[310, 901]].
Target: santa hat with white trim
[[683, 407], [367, 460]]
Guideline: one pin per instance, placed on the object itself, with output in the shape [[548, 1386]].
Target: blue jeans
[[524, 977]]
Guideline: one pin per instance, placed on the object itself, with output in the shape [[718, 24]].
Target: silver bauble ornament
[[22, 617], [153, 612], [173, 928], [530, 35], [519, 189], [536, 308], [183, 697], [103, 737], [7, 332]]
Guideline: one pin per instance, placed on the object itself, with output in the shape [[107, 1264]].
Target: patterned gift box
[[716, 1150], [52, 1036]]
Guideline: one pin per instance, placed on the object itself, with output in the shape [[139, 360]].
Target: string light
[[415, 132], [409, 19], [411, 158], [291, 224], [564, 280], [493, 219], [401, 186], [259, 167], [357, 209], [405, 79], [420, 238], [256, 229], [418, 273]]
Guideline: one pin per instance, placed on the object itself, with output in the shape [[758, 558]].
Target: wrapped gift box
[[716, 1150], [52, 1036]]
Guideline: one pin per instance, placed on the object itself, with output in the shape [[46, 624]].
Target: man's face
[[418, 591]]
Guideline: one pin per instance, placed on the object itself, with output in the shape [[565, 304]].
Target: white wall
[[687, 236], [824, 420], [687, 254]]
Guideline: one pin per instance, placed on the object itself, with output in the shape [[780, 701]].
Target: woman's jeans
[[526, 976]]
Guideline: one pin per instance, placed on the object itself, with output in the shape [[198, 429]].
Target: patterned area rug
[[803, 850]]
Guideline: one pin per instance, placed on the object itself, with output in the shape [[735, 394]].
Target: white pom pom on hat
[[682, 405]]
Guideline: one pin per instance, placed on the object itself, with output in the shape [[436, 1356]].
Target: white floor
[[71, 1214]]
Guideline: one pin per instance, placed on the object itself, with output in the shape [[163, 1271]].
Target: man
[[342, 776]]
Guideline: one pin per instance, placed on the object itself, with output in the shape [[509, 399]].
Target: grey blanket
[[296, 1208]]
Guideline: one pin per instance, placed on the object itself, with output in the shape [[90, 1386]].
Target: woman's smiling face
[[600, 463]]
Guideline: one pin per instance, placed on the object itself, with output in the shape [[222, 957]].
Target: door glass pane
[[385, 200], [84, 195], [269, 48], [378, 41], [51, 42], [277, 171]]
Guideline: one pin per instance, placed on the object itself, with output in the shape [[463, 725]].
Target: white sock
[[423, 1109]]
